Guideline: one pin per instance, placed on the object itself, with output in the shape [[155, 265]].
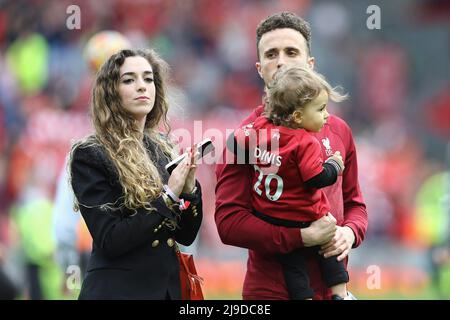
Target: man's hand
[[319, 232], [340, 245]]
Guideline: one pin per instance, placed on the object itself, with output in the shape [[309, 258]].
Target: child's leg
[[296, 275], [339, 290], [334, 274]]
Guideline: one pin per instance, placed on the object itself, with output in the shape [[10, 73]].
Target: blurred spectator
[[433, 227], [33, 215], [7, 288]]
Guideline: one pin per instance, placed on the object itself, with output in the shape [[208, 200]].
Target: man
[[284, 40]]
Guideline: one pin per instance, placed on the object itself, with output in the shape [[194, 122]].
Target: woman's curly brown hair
[[118, 133]]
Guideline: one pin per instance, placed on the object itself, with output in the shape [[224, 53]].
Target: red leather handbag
[[190, 281]]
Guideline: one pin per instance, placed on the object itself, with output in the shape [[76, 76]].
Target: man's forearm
[[243, 229]]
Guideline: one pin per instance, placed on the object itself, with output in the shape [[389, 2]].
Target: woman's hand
[[190, 179], [177, 179]]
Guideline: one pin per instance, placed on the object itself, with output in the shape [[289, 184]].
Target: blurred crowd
[[399, 107]]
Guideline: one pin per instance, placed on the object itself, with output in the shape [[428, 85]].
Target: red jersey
[[283, 159], [237, 226]]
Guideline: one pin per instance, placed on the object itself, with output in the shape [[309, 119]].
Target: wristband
[[171, 195], [335, 164], [169, 203]]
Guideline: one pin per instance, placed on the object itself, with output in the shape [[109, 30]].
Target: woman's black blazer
[[133, 254]]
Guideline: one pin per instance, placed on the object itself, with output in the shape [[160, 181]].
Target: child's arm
[[332, 167]]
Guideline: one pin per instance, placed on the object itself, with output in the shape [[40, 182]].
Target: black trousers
[[295, 271], [294, 264]]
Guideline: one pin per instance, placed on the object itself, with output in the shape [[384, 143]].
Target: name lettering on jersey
[[267, 157], [326, 144]]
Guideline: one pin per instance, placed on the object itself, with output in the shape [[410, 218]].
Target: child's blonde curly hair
[[293, 88]]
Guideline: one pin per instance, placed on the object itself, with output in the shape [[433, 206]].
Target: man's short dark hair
[[284, 20]]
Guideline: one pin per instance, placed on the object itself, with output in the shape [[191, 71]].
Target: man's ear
[[311, 62], [258, 68]]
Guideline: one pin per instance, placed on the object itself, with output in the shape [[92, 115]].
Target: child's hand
[[338, 158]]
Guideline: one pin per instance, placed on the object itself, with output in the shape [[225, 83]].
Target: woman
[[130, 204]]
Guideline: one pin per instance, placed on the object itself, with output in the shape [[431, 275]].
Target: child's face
[[313, 115]]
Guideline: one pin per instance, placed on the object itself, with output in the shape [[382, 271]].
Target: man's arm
[[355, 214], [236, 224], [354, 227]]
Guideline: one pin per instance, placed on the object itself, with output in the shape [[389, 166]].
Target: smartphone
[[205, 147]]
